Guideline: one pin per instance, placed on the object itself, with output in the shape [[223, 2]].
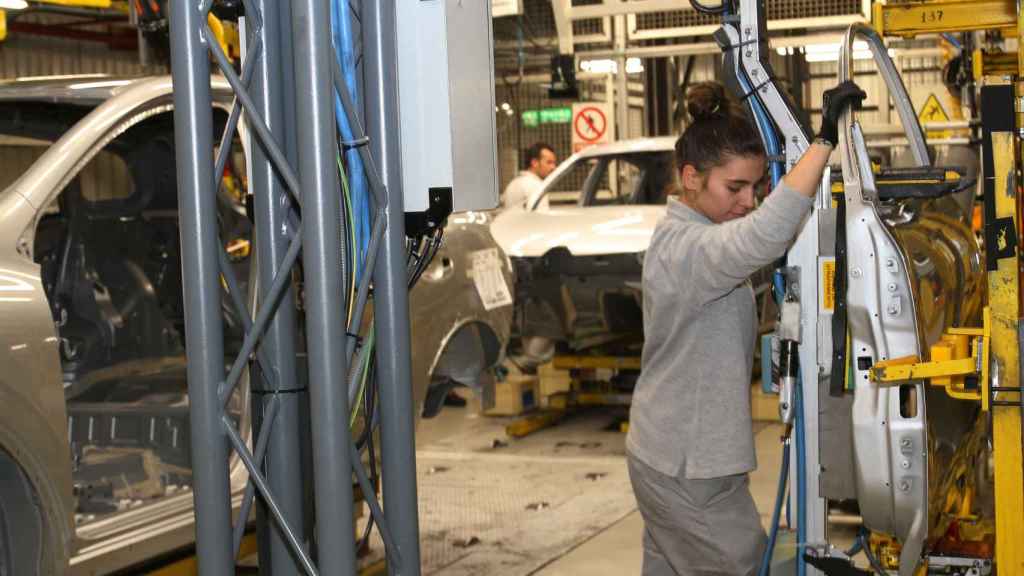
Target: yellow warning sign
[[828, 285], [932, 111]]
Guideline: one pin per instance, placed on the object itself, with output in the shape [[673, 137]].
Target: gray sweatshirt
[[691, 405]]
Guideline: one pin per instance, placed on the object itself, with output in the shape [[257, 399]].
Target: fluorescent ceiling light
[[830, 52], [603, 66], [13, 4], [608, 66]]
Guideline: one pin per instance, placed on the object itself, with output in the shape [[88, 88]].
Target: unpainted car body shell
[[935, 259], [33, 424]]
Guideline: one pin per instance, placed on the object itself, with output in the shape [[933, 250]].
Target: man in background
[[540, 160]]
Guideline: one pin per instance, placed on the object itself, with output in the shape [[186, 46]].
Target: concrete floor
[[574, 542], [617, 549]]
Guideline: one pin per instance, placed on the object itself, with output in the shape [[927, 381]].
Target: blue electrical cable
[[761, 117], [789, 509], [341, 34], [763, 120], [767, 129], [766, 558], [801, 476], [779, 291], [858, 546], [778, 282]]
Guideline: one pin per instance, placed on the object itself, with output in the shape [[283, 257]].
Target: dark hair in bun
[[718, 129], [708, 100]]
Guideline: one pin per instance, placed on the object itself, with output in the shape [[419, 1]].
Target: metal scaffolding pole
[[193, 128], [391, 300], [293, 161], [324, 293], [283, 465]]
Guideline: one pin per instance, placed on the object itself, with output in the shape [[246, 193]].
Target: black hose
[[424, 259], [679, 114], [714, 10]]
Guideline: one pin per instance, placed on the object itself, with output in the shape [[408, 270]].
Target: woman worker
[[690, 443]]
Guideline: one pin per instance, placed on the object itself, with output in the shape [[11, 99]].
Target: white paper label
[[490, 283]]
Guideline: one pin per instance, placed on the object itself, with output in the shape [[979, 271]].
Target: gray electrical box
[[446, 103]]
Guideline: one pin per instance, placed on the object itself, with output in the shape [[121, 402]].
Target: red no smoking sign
[[591, 124]]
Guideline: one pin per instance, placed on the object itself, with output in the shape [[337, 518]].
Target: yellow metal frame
[[189, 565], [563, 403], [998, 344], [78, 3], [993, 63], [1004, 301], [534, 422], [934, 16], [595, 362], [950, 364]]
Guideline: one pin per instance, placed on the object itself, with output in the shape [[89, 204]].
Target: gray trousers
[[697, 527]]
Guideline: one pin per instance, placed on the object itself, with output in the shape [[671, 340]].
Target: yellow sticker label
[[828, 285]]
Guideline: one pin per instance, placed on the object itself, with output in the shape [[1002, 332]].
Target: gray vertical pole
[[283, 462], [621, 79], [391, 298], [193, 130], [286, 80], [324, 293], [285, 89]]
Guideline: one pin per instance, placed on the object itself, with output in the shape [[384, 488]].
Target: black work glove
[[833, 103]]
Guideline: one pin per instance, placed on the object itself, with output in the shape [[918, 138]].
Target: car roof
[[657, 144], [83, 89]]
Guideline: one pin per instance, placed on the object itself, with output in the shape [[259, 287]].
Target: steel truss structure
[[285, 92]]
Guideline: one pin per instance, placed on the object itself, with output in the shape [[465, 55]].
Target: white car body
[[578, 246], [583, 230]]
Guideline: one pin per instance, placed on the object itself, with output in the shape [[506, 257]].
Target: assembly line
[[511, 287]]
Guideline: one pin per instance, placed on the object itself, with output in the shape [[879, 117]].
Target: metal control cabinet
[[446, 102]]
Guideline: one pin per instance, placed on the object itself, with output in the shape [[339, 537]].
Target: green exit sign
[[534, 118], [561, 115]]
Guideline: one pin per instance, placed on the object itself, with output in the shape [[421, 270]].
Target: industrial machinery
[[900, 338]]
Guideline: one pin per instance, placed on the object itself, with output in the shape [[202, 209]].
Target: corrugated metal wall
[[24, 55]]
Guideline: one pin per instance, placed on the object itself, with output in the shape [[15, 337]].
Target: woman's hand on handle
[[833, 104], [806, 175]]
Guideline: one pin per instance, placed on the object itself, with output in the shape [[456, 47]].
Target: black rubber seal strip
[[837, 382]]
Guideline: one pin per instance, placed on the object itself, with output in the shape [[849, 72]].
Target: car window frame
[[181, 503]]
